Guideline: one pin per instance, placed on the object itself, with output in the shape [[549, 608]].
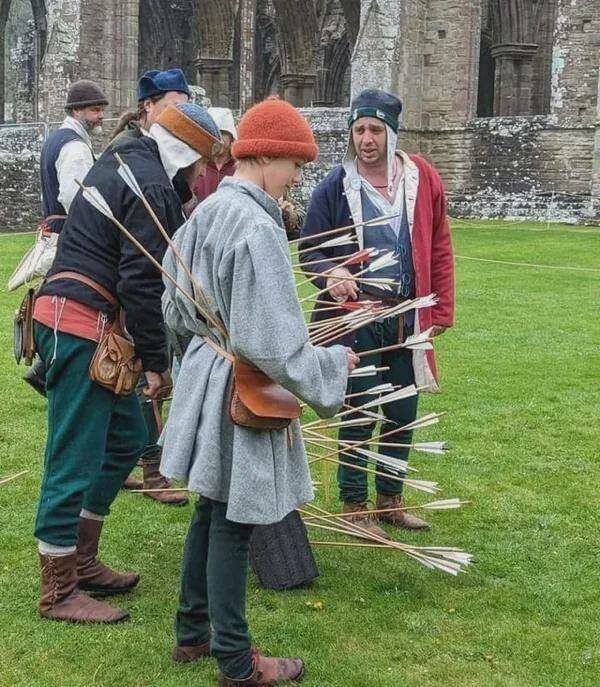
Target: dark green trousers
[[94, 438], [213, 588], [353, 483], [152, 451]]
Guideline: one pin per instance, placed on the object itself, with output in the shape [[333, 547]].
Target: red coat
[[335, 203], [433, 258]]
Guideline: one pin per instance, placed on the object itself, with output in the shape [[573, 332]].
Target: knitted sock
[[51, 550], [88, 515]]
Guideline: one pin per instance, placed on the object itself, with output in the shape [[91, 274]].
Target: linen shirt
[[73, 163]]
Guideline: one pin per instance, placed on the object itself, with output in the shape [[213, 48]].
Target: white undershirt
[[74, 161]]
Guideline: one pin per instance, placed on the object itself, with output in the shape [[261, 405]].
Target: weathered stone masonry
[[502, 95]]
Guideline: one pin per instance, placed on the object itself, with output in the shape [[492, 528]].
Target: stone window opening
[[22, 44], [515, 58]]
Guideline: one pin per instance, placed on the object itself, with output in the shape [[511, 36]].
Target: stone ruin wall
[[544, 166]]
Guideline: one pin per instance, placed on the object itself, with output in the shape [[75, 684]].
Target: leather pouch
[[23, 343], [259, 402], [114, 365]]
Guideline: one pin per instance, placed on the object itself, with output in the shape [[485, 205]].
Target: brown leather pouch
[[23, 343], [115, 365], [259, 402]]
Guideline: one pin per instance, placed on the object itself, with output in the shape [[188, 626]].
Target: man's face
[[370, 140], [91, 117], [227, 143], [154, 109], [281, 174], [191, 173]]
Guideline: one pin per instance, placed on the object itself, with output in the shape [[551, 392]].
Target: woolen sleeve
[[73, 163], [319, 217], [140, 286], [267, 326], [442, 256]]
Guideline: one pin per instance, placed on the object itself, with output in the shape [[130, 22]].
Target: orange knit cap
[[274, 128]]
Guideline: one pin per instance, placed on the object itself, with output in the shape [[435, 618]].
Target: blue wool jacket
[[328, 208]]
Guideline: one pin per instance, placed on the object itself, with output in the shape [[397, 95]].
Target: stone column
[[61, 63], [596, 157], [247, 23], [298, 89], [513, 80], [375, 59], [213, 76]]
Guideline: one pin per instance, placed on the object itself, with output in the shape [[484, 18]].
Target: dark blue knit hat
[[376, 103], [156, 82]]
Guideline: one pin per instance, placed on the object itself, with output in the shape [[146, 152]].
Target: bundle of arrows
[[344, 318]]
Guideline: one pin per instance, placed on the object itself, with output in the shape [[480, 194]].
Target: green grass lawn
[[521, 374]]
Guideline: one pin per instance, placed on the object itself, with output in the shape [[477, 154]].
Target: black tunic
[[92, 245]]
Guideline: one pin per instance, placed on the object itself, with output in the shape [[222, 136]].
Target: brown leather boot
[[365, 522], [189, 654], [268, 671], [60, 599], [94, 576], [154, 480], [400, 518], [132, 483]]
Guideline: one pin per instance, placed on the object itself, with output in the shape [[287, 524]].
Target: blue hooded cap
[[156, 82]]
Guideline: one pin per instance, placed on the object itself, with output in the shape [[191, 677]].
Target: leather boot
[[189, 654], [366, 522], [94, 576], [400, 518], [154, 480], [268, 671], [132, 483], [60, 599]]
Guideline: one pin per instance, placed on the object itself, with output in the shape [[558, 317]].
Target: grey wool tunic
[[236, 248]]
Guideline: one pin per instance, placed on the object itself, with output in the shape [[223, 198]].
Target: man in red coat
[[376, 180]]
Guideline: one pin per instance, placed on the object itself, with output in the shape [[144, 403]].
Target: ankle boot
[[60, 599], [94, 576], [267, 671], [132, 483], [190, 653], [357, 516], [154, 480], [400, 518]]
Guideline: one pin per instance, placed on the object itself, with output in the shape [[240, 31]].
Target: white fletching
[[404, 392], [431, 447], [366, 371], [423, 485], [379, 389], [443, 504], [95, 199], [386, 260], [425, 421], [128, 177], [338, 241]]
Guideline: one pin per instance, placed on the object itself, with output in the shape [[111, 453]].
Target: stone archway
[[23, 31], [333, 56], [298, 32], [167, 36], [520, 44], [215, 62]]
